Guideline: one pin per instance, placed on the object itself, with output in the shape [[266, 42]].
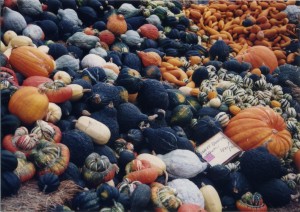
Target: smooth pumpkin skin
[[31, 61], [28, 104], [257, 126], [258, 56]]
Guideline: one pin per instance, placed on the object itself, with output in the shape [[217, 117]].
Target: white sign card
[[219, 149]]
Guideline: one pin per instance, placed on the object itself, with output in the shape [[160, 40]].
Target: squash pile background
[[118, 95]]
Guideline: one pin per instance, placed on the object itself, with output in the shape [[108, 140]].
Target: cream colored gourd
[[44, 48], [8, 35], [155, 162], [98, 131], [54, 113], [212, 200], [214, 102], [77, 91], [20, 40], [63, 76], [3, 47]]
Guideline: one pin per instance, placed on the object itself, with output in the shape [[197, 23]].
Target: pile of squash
[[118, 96]]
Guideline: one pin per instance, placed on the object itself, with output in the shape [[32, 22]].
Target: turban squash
[[257, 126]]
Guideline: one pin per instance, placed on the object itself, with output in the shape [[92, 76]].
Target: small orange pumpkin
[[296, 160], [116, 24], [31, 61], [29, 104], [258, 56], [257, 126]]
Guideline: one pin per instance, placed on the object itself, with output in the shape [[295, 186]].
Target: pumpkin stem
[[97, 99], [167, 177], [153, 117], [85, 90]]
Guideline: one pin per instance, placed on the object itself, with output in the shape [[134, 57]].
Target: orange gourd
[[257, 126], [149, 31], [116, 24], [29, 104], [149, 58], [258, 56], [31, 61]]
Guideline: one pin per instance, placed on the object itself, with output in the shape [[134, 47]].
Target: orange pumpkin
[[258, 56], [116, 24], [257, 126], [31, 61], [29, 104], [149, 31]]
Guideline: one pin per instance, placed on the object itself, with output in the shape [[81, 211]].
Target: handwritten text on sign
[[219, 149]]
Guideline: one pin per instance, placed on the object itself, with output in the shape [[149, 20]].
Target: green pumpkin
[[176, 97], [86, 201], [181, 115], [10, 184], [9, 161], [119, 47], [98, 169], [48, 183], [193, 103]]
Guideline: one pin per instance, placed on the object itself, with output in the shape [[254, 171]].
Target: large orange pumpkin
[[257, 126], [28, 104], [258, 56], [31, 61]]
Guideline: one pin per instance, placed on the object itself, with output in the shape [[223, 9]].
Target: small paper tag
[[219, 149]]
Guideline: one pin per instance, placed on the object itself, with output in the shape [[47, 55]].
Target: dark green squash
[[130, 79], [181, 115], [259, 165], [102, 95], [86, 201], [9, 124], [176, 97], [61, 208], [237, 185], [132, 61], [152, 90], [140, 197], [48, 183], [199, 75], [130, 117], [219, 51], [9, 161], [79, 144], [107, 151], [107, 194], [219, 174], [66, 109], [193, 103], [10, 184], [151, 72], [275, 193], [72, 173], [205, 128], [161, 140]]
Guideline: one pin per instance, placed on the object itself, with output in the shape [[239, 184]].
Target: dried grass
[[29, 198]]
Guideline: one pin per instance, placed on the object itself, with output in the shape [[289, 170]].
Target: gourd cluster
[[118, 96]]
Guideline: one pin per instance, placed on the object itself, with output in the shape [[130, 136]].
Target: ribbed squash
[[31, 61], [257, 126]]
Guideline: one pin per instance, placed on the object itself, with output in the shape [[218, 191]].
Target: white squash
[[212, 200], [63, 76], [54, 113], [77, 91], [98, 131]]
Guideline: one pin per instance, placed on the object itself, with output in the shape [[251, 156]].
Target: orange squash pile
[[269, 25]]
